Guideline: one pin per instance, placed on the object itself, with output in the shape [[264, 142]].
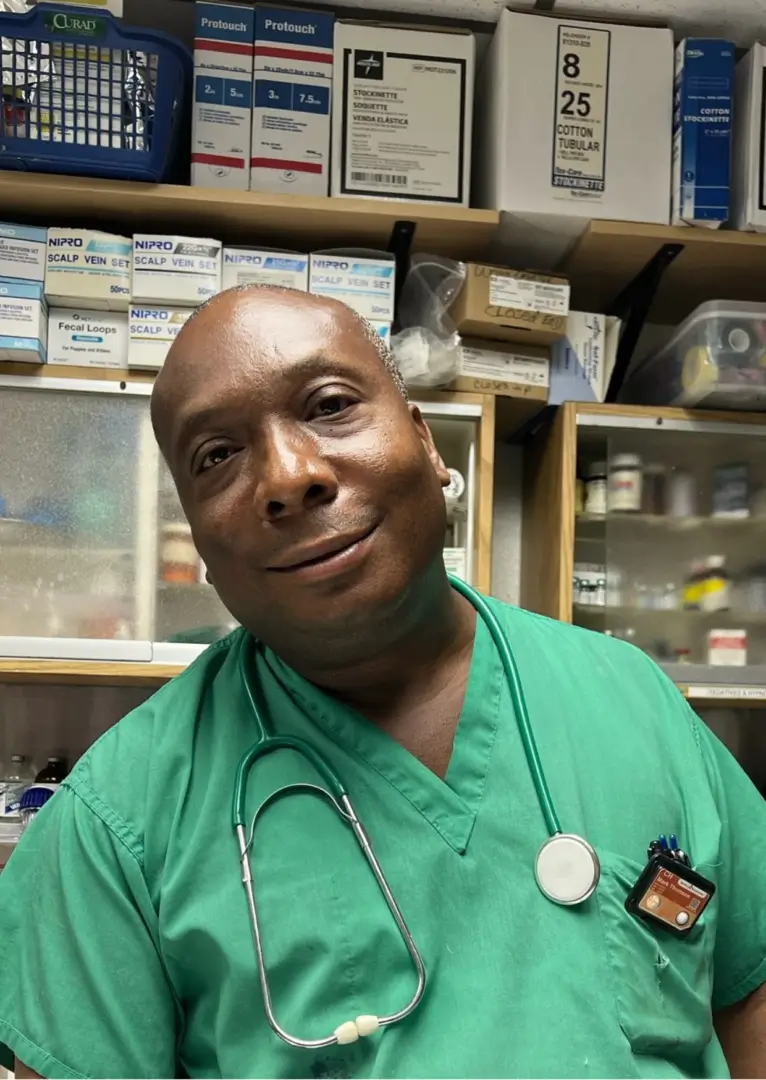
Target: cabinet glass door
[[455, 432], [77, 527], [676, 562], [188, 613]]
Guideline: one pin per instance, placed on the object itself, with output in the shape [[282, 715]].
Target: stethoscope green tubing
[[266, 744]]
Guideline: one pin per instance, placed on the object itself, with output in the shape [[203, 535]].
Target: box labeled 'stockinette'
[[702, 126], [402, 113]]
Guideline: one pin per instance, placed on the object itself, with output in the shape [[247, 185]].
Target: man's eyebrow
[[193, 421], [316, 364]]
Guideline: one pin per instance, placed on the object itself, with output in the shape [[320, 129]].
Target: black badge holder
[[668, 892]]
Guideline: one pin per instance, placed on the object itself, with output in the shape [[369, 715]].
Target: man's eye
[[213, 457], [333, 405]]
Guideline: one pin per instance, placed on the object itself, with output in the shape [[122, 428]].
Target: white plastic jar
[[624, 483]]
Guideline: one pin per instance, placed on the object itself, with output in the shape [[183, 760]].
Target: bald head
[[252, 305]]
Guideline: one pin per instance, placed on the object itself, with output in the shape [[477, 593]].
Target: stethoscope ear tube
[[518, 701]]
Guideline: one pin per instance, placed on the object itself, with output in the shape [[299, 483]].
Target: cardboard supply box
[[402, 113], [505, 370], [577, 119], [88, 338], [23, 321], [151, 332], [256, 266], [365, 283], [583, 361], [293, 71], [22, 252], [223, 95], [175, 270], [702, 124], [749, 158], [88, 269], [511, 305]]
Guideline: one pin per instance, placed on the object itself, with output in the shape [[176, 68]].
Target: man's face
[[313, 490]]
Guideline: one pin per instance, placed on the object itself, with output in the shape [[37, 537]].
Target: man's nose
[[294, 477]]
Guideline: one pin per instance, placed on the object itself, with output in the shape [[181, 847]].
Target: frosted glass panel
[[71, 514], [187, 608]]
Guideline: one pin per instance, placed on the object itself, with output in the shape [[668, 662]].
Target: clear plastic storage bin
[[715, 360]]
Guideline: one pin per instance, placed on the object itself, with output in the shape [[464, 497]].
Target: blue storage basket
[[84, 95]]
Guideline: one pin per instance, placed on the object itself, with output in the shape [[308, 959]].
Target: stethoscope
[[566, 868]]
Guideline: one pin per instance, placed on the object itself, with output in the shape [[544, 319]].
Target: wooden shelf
[[714, 265], [243, 217], [65, 371], [660, 413], [85, 672], [724, 697]]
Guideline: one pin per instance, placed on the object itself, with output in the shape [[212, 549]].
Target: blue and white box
[[582, 362], [23, 321], [365, 284], [223, 95], [88, 269], [22, 252], [293, 63], [248, 266], [151, 331], [702, 132], [178, 270]]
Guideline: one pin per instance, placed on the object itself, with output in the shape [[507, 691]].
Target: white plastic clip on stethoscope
[[566, 868]]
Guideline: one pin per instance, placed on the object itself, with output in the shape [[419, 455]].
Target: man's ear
[[427, 439]]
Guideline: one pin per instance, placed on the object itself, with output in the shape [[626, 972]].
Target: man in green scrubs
[[314, 492]]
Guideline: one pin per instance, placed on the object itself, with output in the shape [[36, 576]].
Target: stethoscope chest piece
[[567, 869]]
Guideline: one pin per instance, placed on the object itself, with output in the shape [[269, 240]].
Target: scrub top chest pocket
[[662, 983]]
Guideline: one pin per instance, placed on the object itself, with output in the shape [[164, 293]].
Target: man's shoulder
[[604, 671], [154, 742]]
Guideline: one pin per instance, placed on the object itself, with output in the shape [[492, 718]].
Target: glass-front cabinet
[[670, 543], [96, 558]]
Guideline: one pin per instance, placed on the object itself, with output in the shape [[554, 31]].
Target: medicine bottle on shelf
[[625, 483], [595, 488]]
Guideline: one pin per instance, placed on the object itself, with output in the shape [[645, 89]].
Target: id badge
[[670, 895]]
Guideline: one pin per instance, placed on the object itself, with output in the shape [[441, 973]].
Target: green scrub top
[[125, 942]]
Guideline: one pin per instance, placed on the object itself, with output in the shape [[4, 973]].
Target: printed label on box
[[223, 95], [291, 103], [243, 267], [88, 339], [503, 367], [394, 106], [512, 292], [581, 106], [366, 285]]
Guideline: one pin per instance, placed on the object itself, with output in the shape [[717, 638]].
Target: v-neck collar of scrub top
[[450, 805]]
